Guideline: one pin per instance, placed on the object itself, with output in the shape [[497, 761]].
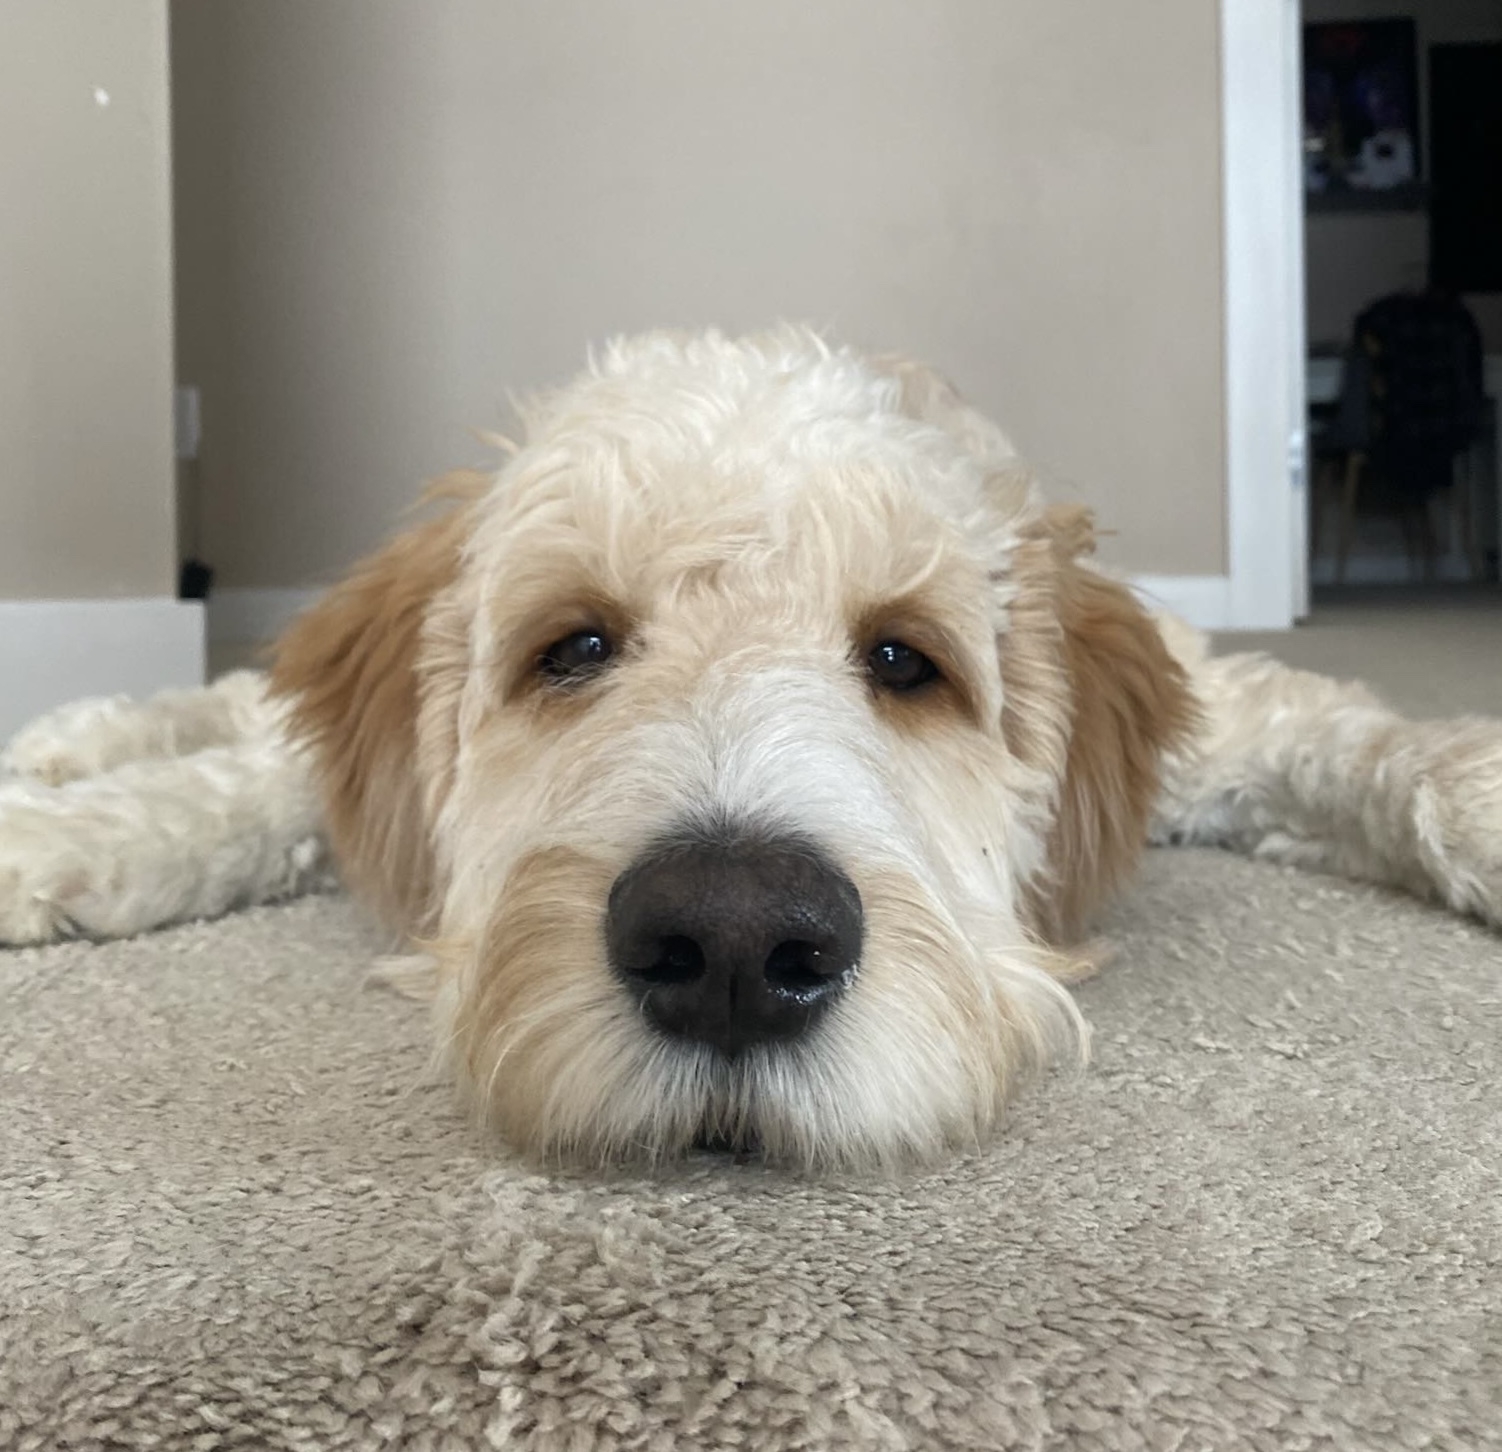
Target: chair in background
[[1411, 405]]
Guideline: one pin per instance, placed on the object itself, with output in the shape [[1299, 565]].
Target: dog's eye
[[575, 656], [898, 667]]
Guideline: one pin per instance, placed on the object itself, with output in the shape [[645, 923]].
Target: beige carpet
[[233, 1215], [1432, 651]]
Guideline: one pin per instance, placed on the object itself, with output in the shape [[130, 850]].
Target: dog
[[749, 758]]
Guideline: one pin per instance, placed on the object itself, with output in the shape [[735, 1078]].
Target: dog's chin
[[573, 1077]]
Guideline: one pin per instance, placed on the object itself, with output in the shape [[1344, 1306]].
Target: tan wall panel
[[392, 213]]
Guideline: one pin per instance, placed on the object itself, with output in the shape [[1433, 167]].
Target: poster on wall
[[1361, 121]]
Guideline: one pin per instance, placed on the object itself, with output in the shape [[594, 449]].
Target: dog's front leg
[[87, 738], [1302, 769], [157, 842]]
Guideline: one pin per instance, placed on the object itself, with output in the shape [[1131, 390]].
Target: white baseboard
[[1203, 600], [255, 615], [260, 615], [56, 651]]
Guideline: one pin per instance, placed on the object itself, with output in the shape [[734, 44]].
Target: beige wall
[[86, 487], [1353, 258], [393, 211]]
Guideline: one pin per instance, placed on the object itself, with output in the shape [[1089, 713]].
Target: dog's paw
[[40, 866], [29, 915], [65, 744], [1458, 820]]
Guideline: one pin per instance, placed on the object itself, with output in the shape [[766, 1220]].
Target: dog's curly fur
[[746, 519]]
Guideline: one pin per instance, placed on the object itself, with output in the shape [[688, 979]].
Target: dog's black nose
[[734, 943]]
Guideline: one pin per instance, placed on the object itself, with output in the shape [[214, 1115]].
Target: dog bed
[[236, 1212]]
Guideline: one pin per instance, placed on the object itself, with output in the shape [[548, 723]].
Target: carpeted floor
[[1431, 651], [233, 1213]]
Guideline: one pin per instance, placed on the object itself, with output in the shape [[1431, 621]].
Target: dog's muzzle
[[734, 942]]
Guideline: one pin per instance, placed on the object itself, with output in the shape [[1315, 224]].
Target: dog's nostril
[[678, 960], [801, 970]]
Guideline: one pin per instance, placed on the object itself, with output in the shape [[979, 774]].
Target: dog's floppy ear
[[1094, 699], [353, 669]]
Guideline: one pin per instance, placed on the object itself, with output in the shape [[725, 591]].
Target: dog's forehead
[[742, 440]]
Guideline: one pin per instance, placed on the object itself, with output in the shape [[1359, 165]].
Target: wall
[[390, 214], [87, 537], [1352, 258], [86, 487]]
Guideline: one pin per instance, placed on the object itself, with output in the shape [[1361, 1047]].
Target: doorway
[[1401, 199]]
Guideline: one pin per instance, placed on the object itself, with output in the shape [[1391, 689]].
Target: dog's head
[[740, 749]]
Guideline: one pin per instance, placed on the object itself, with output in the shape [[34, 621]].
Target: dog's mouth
[[742, 1146]]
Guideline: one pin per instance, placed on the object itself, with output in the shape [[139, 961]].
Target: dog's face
[[729, 747]]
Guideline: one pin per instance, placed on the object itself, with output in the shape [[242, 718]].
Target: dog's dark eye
[[898, 667], [575, 656]]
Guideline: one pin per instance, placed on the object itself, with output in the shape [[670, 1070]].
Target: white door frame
[[1264, 313]]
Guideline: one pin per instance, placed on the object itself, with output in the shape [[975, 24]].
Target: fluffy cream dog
[[751, 753]]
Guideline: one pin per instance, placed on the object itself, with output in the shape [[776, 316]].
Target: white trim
[[1202, 600], [1261, 262], [56, 651], [1294, 287], [255, 615]]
